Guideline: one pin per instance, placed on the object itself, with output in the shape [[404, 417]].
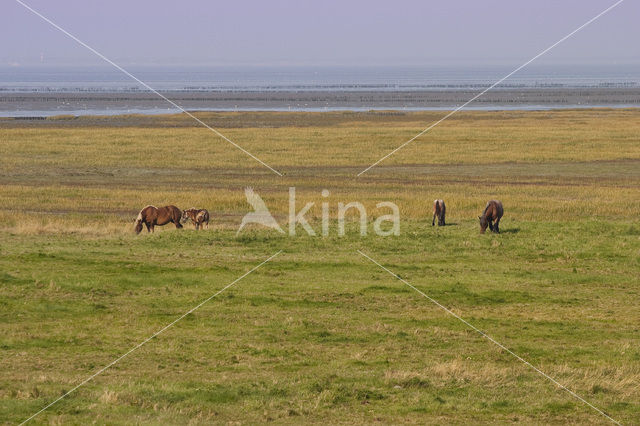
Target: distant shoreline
[[48, 104]]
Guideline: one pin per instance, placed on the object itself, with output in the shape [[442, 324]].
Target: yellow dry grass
[[555, 165]]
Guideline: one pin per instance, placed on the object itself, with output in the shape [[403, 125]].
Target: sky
[[328, 32]]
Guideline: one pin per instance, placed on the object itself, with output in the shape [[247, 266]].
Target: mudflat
[[52, 103]]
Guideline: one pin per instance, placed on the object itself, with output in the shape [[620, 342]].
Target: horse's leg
[[433, 221], [152, 227], [491, 224], [148, 227], [497, 226]]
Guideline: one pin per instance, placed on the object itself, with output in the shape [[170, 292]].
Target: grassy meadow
[[320, 334]]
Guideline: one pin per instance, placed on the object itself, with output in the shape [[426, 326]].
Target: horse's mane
[[484, 212], [139, 218]]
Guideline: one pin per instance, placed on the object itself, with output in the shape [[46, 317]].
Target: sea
[[44, 79]]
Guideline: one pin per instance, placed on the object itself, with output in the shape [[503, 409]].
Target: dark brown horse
[[199, 217], [492, 212], [439, 209], [152, 216]]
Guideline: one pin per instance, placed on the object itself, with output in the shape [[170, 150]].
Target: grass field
[[320, 334]]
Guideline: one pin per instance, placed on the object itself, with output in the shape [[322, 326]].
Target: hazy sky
[[326, 32]]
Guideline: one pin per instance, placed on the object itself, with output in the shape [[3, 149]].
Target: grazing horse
[[493, 211], [152, 216], [199, 217], [439, 210]]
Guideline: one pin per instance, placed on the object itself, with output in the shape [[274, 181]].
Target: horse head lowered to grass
[[493, 211], [151, 216], [439, 210]]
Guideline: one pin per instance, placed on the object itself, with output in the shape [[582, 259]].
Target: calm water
[[45, 79], [105, 79]]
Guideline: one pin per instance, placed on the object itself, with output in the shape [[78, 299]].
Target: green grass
[[320, 334]]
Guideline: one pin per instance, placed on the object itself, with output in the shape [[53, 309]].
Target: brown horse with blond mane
[[492, 212], [151, 216], [199, 217]]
